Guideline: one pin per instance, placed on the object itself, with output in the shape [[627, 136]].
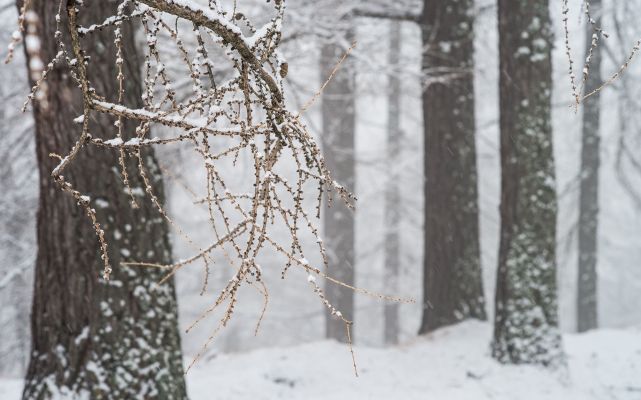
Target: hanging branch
[[578, 92], [220, 120]]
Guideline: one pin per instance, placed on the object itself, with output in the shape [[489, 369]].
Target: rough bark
[[339, 124], [392, 189], [526, 320], [589, 192], [101, 339], [453, 287]]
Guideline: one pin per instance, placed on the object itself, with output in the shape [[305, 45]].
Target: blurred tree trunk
[[114, 339], [17, 236], [589, 192], [392, 189], [453, 287], [339, 125], [526, 320]]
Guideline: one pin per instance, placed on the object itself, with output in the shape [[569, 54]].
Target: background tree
[[18, 203], [338, 140], [108, 339], [589, 189], [526, 320], [453, 287], [392, 189]]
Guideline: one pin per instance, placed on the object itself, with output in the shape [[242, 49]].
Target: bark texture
[[587, 317], [526, 320], [100, 339], [392, 189], [339, 125], [453, 287]]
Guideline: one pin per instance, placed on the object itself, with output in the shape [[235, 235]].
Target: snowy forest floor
[[452, 363]]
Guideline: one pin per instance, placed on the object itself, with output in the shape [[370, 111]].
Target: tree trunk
[[17, 235], [453, 287], [589, 192], [526, 320], [392, 189], [339, 124], [113, 339]]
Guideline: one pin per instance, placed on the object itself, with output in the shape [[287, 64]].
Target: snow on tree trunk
[[339, 124], [453, 287], [392, 190], [526, 319], [113, 339], [589, 191]]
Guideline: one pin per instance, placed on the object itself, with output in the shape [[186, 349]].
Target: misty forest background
[[371, 123]]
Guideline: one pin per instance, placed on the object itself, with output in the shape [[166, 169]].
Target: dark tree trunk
[[392, 189], [453, 287], [339, 124], [589, 192], [115, 339], [526, 320]]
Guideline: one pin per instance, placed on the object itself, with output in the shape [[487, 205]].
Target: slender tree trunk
[[115, 339], [453, 287], [339, 124], [589, 194], [392, 189], [20, 292], [526, 320]]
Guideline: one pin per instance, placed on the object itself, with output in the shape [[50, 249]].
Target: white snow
[[114, 142], [210, 14], [452, 363], [101, 203]]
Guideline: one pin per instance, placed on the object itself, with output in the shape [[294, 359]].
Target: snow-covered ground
[[452, 364]]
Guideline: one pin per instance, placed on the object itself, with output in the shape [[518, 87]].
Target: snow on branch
[[226, 30], [243, 116], [578, 85]]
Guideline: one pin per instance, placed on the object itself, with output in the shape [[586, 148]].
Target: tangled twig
[[220, 120]]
